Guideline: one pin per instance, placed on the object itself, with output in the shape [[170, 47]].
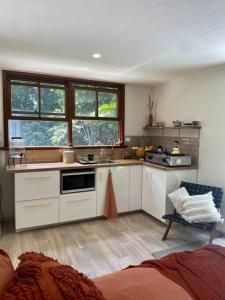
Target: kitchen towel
[[110, 209]]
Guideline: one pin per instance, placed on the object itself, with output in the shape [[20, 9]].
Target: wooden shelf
[[173, 127], [163, 128]]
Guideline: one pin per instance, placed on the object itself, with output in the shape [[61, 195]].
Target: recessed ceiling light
[[96, 55]]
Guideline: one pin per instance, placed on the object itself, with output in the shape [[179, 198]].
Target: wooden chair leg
[[167, 231], [212, 233]]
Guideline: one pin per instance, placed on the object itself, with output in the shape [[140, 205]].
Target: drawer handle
[[33, 178], [39, 204], [76, 200]]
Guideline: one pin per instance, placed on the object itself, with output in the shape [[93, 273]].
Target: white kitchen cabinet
[[36, 185], [77, 206], [157, 184], [146, 189], [158, 190], [36, 199], [135, 188], [100, 183], [32, 213], [121, 184]]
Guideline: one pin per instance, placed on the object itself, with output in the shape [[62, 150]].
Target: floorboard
[[99, 247]]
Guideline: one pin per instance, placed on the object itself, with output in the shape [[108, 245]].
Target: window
[[95, 117], [49, 111]]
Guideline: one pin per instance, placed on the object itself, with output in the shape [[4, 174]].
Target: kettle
[[176, 148]]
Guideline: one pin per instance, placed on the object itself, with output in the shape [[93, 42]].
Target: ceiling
[[141, 41]]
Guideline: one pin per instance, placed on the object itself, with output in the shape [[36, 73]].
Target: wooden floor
[[100, 246]]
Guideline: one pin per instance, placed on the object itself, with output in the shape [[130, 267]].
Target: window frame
[[70, 85]]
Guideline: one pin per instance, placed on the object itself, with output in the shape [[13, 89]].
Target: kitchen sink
[[105, 161], [93, 162]]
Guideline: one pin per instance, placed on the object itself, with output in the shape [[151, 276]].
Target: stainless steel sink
[[105, 161], [93, 162]]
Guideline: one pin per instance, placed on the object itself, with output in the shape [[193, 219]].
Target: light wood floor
[[100, 246]]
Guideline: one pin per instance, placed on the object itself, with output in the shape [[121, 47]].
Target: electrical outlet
[[127, 139]]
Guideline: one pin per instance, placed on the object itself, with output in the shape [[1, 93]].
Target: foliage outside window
[[46, 111]]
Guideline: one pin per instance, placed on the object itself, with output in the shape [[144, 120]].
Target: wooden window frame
[[70, 84]]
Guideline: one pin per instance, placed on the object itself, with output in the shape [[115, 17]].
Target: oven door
[[77, 181]]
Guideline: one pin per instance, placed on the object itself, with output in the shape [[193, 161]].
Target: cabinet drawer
[[37, 213], [77, 206], [36, 185]]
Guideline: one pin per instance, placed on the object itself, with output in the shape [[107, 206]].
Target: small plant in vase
[[150, 107]]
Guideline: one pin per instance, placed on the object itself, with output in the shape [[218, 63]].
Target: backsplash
[[55, 155], [189, 145]]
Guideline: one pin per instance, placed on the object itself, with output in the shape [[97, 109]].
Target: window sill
[[67, 147]]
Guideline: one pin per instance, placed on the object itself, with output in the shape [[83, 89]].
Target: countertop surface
[[63, 166]]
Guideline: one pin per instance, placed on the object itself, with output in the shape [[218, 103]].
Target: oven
[[76, 181]]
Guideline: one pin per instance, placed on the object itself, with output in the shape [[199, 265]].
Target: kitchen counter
[[164, 168], [64, 166]]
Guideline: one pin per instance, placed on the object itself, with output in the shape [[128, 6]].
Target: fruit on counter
[[140, 151], [149, 148], [146, 148]]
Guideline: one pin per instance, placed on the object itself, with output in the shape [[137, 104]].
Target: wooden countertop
[[64, 166], [148, 164]]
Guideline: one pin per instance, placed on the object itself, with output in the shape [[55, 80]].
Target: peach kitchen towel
[[110, 209]]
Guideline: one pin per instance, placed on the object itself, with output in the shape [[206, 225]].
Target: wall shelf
[[173, 127]]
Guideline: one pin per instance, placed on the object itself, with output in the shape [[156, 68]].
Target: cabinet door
[[77, 206], [121, 184], [146, 189], [157, 204], [135, 187], [101, 180]]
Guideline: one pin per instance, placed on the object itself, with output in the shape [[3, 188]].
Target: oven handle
[[78, 173]]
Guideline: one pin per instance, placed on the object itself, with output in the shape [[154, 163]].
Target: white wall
[[201, 97], [136, 97], [136, 108]]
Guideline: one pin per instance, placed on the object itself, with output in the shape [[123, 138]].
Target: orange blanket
[[201, 272]]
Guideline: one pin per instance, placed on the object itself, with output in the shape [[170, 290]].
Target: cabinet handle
[[76, 200], [33, 178], [39, 204]]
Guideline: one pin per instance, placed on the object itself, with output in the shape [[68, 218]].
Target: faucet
[[112, 143]]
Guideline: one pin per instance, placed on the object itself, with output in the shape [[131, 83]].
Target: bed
[[186, 275]]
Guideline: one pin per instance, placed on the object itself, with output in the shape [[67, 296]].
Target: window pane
[[24, 98], [85, 103], [39, 133], [52, 100], [107, 104], [25, 115], [94, 132]]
